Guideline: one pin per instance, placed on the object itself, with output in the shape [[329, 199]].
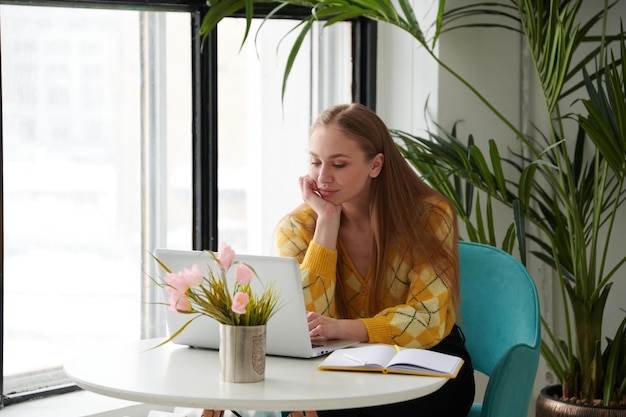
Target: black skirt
[[453, 399]]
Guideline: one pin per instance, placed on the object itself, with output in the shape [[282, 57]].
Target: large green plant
[[569, 185]]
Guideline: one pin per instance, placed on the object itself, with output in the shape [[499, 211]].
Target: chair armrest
[[511, 383]]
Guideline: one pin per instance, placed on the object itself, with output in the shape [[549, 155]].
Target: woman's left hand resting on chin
[[330, 328]]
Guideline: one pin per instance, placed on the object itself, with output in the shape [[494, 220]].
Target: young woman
[[378, 253]]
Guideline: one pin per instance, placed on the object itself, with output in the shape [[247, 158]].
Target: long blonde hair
[[400, 200]]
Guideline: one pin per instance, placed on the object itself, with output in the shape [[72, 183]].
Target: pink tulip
[[179, 282], [178, 302], [225, 256], [176, 282], [243, 274], [193, 276], [240, 300]]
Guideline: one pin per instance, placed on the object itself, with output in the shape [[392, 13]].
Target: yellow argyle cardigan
[[418, 305]]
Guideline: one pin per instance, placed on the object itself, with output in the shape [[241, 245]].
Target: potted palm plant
[[569, 184], [568, 181]]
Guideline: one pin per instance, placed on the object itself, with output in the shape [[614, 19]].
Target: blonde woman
[[378, 253]]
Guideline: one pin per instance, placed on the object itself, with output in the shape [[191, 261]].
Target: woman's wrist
[[354, 329], [327, 231]]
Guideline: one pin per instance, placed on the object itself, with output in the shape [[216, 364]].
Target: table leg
[[212, 413]]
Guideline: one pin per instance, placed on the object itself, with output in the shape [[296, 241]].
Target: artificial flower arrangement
[[193, 293]]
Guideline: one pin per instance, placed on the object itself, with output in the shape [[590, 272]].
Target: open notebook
[[287, 330], [392, 359]]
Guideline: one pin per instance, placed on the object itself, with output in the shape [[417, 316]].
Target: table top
[[177, 375]]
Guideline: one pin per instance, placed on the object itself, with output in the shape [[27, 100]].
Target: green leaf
[[496, 164], [616, 358], [176, 333], [481, 167], [519, 220], [412, 21], [526, 184], [306, 28], [508, 243], [438, 22], [217, 12]]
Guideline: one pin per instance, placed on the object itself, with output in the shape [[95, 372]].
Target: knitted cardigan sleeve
[[419, 310], [318, 264]]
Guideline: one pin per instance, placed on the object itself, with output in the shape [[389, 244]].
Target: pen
[[397, 348], [355, 359]]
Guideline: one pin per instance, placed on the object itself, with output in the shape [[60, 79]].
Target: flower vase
[[242, 353]]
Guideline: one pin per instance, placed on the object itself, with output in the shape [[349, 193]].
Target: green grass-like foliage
[[213, 298]]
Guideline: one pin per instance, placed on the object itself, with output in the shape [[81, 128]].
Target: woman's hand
[[312, 196], [330, 328], [328, 214]]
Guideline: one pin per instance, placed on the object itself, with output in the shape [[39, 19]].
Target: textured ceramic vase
[[242, 353]]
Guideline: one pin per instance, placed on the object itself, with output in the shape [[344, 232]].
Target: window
[[99, 144], [262, 140], [80, 202]]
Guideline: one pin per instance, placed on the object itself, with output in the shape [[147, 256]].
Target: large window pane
[[263, 139], [76, 118], [97, 164]]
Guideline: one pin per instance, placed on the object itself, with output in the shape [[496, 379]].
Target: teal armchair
[[501, 321]]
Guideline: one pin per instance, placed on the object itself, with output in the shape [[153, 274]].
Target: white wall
[[493, 61]]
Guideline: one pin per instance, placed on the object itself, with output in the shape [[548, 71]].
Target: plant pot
[[549, 406], [242, 353]]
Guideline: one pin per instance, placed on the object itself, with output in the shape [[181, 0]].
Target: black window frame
[[204, 115]]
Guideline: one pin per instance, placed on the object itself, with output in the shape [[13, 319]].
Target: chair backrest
[[501, 321]]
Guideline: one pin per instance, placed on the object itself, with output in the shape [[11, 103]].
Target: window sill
[[80, 404]]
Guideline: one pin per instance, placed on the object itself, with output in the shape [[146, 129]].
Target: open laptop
[[287, 330]]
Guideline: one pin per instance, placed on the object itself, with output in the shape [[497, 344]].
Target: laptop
[[287, 330]]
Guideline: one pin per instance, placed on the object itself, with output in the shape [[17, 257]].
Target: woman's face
[[339, 166]]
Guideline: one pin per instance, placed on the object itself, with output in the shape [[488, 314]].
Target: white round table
[[177, 375]]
